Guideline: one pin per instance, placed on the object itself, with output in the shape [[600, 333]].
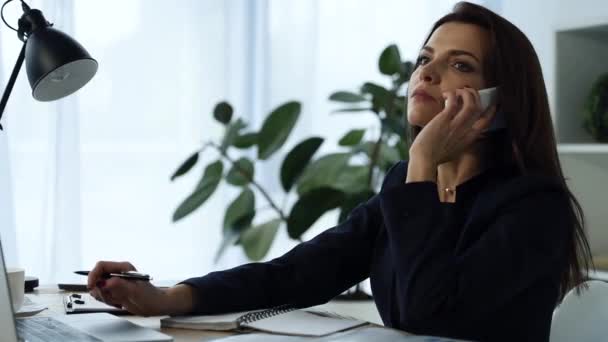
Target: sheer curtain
[[7, 219], [7, 208], [43, 140], [90, 173]]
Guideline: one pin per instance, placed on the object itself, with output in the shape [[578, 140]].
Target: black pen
[[130, 275]]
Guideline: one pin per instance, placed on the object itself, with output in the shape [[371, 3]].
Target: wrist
[[180, 299], [421, 170]]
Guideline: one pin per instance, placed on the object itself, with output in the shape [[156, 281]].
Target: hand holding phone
[[435, 145], [488, 98]]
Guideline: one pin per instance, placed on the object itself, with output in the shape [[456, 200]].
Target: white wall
[[540, 19], [587, 172]]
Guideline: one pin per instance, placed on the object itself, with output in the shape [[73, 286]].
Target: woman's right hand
[[137, 296]]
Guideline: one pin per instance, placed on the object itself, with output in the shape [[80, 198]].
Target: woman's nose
[[428, 74]]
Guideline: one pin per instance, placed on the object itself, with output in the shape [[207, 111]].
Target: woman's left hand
[[454, 129]]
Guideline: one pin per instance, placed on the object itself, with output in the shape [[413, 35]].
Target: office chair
[[582, 317]]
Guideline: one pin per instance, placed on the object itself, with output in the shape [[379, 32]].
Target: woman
[[477, 236]]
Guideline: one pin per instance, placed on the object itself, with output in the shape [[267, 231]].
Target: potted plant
[[595, 111], [321, 183]]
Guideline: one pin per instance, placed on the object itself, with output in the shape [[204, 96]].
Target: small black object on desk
[[30, 284]]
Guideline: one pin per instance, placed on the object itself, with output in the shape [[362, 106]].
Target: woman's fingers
[[451, 104], [95, 293], [106, 297], [465, 109], [453, 129], [469, 111], [114, 291], [138, 297], [104, 267], [475, 94], [125, 293]]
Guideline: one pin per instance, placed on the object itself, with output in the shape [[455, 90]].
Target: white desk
[[52, 297]]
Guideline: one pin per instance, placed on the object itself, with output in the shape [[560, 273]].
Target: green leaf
[[375, 90], [205, 188], [394, 125], [212, 172], [246, 140], [186, 166], [380, 96], [405, 71], [400, 106], [309, 207], [346, 96], [232, 132], [392, 108], [297, 159], [349, 110], [352, 179], [352, 201], [353, 137], [223, 112], [240, 212], [236, 177], [257, 240], [389, 155], [276, 128], [390, 60], [403, 147], [323, 172], [366, 147]]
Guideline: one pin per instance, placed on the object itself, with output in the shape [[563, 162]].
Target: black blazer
[[495, 278]]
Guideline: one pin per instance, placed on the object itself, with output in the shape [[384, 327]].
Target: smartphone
[[488, 98]]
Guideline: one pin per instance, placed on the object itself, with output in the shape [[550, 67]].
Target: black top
[[484, 268]]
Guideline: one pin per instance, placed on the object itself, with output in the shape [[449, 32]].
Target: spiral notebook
[[282, 320]]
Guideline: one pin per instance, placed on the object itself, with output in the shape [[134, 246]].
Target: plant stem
[[372, 164], [374, 159], [263, 208], [255, 184], [207, 144]]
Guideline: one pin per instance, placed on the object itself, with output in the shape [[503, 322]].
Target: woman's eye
[[421, 60], [463, 67]]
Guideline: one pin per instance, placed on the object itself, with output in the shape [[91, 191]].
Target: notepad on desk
[[284, 321], [76, 303]]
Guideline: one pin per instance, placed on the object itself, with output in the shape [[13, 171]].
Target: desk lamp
[[56, 64]]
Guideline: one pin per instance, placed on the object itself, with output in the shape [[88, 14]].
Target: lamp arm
[[11, 81]]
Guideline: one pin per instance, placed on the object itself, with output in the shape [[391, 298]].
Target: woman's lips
[[423, 97]]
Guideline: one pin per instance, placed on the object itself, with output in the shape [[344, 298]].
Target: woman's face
[[451, 59]]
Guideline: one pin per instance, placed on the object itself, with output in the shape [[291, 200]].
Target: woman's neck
[[456, 172]]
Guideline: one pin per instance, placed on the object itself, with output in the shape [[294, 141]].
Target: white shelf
[[583, 148], [580, 58], [598, 275]]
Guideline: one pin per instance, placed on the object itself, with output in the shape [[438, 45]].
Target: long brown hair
[[528, 143]]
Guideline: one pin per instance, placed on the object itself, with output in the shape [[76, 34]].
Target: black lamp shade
[[56, 64]]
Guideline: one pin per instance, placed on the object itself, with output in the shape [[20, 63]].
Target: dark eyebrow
[[453, 53]]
